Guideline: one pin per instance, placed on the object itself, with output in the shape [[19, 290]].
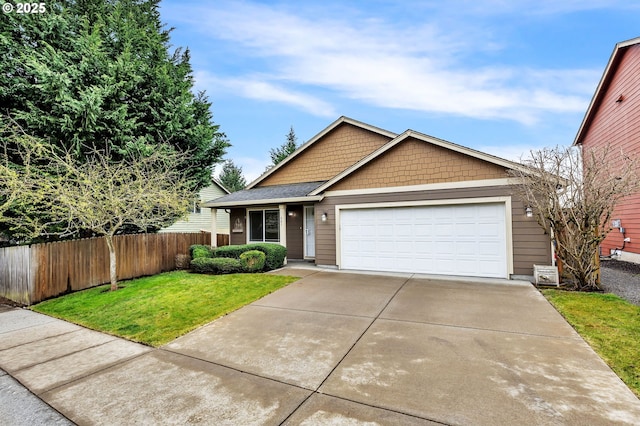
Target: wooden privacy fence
[[30, 274]]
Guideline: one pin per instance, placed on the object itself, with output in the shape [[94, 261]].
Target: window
[[264, 225], [196, 207]]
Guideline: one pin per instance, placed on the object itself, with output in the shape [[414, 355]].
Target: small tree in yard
[[26, 183], [573, 196], [62, 195], [106, 196]]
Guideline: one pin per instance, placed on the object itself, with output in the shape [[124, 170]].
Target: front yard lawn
[[609, 324], [155, 310]]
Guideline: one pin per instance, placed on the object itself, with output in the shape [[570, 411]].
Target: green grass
[[155, 310], [609, 324]]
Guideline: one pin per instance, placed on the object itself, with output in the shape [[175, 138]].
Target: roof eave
[[426, 138], [262, 202], [318, 136], [604, 81], [221, 186]]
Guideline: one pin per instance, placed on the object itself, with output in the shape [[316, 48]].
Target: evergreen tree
[[284, 150], [93, 75], [231, 177]]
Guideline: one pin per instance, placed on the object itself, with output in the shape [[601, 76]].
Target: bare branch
[[573, 197]]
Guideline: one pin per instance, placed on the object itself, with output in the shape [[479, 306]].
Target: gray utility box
[[546, 275]]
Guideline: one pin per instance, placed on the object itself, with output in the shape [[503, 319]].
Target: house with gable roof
[[613, 119], [199, 218], [362, 198]]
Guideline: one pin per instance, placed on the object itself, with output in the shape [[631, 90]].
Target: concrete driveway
[[337, 348]]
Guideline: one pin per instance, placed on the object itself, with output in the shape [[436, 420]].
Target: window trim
[[196, 207], [264, 225]]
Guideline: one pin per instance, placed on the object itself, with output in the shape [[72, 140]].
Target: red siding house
[[613, 118]]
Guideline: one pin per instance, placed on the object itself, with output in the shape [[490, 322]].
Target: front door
[[309, 232]]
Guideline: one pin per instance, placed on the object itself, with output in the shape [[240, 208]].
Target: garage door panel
[[459, 239], [469, 248], [404, 230], [490, 247], [444, 247], [463, 229], [488, 230]]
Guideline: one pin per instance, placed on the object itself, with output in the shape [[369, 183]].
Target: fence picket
[[30, 274]]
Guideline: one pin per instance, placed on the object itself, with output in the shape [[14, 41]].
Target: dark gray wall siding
[[236, 238], [530, 244], [295, 233]]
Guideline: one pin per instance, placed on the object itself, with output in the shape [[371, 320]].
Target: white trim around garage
[[456, 201], [481, 183]]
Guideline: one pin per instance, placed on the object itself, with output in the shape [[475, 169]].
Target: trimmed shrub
[[252, 260], [233, 252], [274, 253], [220, 265], [197, 251]]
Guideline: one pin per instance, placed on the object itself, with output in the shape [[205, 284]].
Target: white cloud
[[302, 58], [263, 90], [413, 66], [525, 7], [252, 168]]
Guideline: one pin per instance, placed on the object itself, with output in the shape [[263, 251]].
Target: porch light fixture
[[324, 217], [290, 213], [620, 99], [528, 211]]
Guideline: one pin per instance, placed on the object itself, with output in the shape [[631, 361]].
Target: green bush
[[209, 265], [233, 252], [252, 260], [274, 253], [198, 251]]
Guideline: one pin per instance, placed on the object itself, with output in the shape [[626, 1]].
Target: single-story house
[[613, 118], [359, 197], [199, 218]]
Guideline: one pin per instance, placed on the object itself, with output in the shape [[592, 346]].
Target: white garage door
[[466, 240]]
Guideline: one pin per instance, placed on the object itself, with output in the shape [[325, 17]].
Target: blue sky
[[501, 76]]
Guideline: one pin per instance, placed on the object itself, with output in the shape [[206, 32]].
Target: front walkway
[[333, 348]]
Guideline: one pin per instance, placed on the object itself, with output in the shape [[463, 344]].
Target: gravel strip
[[622, 279]]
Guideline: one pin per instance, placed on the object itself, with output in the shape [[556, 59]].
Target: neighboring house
[[362, 198], [199, 218], [613, 119]]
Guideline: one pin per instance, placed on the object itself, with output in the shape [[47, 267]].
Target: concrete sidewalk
[[331, 348]]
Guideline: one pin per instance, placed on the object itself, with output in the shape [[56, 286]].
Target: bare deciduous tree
[[26, 183], [95, 193], [573, 195], [105, 196]]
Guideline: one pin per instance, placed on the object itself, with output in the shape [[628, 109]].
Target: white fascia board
[[425, 138], [605, 78], [425, 187], [268, 201], [317, 137]]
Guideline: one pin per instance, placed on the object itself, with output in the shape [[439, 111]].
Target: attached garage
[[449, 239], [362, 198]]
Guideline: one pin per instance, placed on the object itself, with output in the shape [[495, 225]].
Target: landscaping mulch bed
[[621, 278]]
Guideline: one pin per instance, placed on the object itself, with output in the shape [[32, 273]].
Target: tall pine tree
[[97, 74], [286, 149], [231, 177]]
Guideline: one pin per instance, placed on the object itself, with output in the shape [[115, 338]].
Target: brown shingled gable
[[415, 162], [339, 149]]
